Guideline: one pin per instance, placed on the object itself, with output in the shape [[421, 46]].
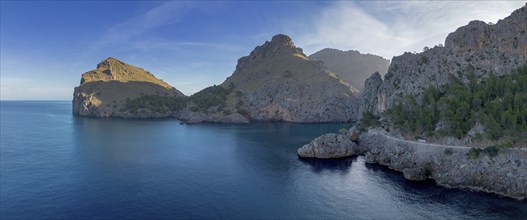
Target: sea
[[55, 165]]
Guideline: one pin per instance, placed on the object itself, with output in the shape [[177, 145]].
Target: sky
[[45, 46]]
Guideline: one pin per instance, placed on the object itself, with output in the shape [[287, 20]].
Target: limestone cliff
[[477, 48], [278, 82], [352, 66], [103, 91]]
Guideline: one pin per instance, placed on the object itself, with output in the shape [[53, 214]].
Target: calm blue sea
[[58, 166]]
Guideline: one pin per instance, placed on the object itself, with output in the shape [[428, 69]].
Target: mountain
[[351, 66], [477, 49], [104, 91], [278, 82], [472, 91], [275, 82]]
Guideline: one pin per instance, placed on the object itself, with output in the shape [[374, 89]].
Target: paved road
[[426, 144]]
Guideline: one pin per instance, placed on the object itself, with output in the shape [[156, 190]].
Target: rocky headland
[[500, 171], [104, 91], [503, 172], [328, 146]]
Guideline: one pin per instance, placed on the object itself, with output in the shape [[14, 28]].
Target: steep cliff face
[[278, 82], [351, 66], [104, 90], [475, 49]]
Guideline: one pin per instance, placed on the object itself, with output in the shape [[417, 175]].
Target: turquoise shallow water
[[55, 165]]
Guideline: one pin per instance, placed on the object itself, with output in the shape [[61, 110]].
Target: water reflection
[[341, 165]]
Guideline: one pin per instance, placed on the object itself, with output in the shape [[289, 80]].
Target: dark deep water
[[55, 165]]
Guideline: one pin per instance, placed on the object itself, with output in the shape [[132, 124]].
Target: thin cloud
[[164, 14], [392, 28], [176, 45]]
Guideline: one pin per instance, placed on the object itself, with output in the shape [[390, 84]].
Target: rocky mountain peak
[[108, 62], [112, 69], [279, 83], [282, 39], [280, 45]]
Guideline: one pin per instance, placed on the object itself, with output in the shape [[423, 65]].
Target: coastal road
[[423, 144]]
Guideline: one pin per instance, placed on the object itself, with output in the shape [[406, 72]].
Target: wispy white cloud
[[177, 45], [164, 14], [389, 28]]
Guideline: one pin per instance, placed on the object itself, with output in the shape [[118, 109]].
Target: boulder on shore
[[328, 146]]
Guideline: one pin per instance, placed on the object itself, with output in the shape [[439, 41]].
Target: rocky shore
[[503, 173], [328, 146]]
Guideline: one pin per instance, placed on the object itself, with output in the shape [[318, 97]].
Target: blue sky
[[46, 45]]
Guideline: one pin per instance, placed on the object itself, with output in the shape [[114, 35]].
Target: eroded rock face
[[368, 99], [477, 48], [504, 173], [103, 91], [328, 146], [279, 83], [352, 66]]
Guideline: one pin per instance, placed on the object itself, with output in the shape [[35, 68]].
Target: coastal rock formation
[[475, 49], [103, 91], [503, 172], [328, 146], [278, 82], [351, 66]]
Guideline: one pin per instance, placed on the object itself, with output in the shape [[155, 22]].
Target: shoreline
[[504, 174]]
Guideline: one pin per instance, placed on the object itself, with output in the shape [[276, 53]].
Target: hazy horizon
[[46, 46]]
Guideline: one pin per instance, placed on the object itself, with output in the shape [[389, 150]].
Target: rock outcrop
[[103, 91], [475, 49], [278, 82], [453, 166], [351, 66], [328, 146]]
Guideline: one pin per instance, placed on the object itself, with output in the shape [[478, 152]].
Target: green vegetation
[[210, 96], [343, 131], [155, 103], [369, 120], [475, 152], [448, 151], [498, 103], [203, 100]]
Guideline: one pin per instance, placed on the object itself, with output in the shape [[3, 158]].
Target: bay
[[54, 165]]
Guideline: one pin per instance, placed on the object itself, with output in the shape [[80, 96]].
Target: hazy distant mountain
[[352, 66], [104, 91]]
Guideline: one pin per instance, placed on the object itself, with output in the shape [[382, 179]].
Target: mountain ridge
[[351, 66], [478, 48]]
